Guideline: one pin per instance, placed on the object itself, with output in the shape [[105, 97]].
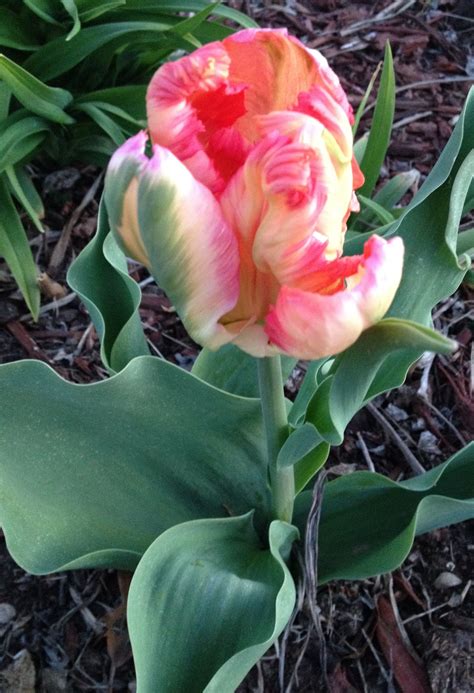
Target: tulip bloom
[[240, 211]]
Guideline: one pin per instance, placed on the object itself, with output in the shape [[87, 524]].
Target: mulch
[[411, 631]]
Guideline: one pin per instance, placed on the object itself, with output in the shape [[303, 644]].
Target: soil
[[66, 632]]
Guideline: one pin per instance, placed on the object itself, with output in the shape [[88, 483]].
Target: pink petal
[[190, 101], [313, 325]]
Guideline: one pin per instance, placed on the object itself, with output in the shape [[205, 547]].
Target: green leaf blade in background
[[33, 94], [368, 522], [14, 247], [20, 135], [100, 277], [104, 121], [90, 475], [130, 99], [381, 128], [45, 10], [58, 56], [238, 597], [91, 9], [192, 6], [25, 192], [14, 33]]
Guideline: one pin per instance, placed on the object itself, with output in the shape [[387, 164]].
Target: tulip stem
[[275, 421]]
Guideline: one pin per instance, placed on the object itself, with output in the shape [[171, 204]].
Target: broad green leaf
[[238, 597], [33, 94], [233, 370], [298, 444], [429, 230], [381, 128], [465, 242], [15, 249], [90, 475], [14, 33], [25, 193], [304, 450], [20, 136], [315, 373], [350, 381], [100, 277], [368, 522], [309, 465]]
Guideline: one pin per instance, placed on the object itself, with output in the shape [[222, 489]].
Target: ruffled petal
[[293, 199], [121, 183], [193, 253], [313, 325], [190, 106]]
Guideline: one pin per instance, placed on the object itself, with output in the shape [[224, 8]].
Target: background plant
[[73, 75]]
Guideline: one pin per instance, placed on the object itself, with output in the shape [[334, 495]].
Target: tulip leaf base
[[181, 501], [385, 516], [90, 475], [206, 602]]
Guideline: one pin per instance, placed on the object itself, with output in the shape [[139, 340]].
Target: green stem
[[275, 422]]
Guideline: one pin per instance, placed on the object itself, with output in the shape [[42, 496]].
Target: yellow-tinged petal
[[313, 325], [193, 253], [121, 183]]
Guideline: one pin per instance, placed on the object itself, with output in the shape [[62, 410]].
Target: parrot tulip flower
[[240, 211]]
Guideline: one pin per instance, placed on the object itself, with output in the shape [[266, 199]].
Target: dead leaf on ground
[[410, 676]]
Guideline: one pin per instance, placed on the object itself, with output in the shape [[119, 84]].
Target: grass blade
[[14, 247], [379, 137], [33, 94], [363, 103]]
